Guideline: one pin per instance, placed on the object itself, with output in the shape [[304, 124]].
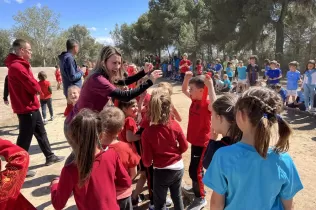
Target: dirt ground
[[36, 190]]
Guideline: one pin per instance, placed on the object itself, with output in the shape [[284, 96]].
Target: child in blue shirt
[[299, 102], [227, 84], [309, 85], [280, 90], [273, 74], [229, 71], [218, 67], [241, 74], [249, 174], [293, 77], [266, 67]]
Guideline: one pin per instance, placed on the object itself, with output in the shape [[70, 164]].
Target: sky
[[99, 16]]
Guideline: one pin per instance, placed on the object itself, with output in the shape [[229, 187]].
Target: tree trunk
[[279, 27]]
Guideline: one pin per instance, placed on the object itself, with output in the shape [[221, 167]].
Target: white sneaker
[[45, 121], [197, 204], [168, 202]]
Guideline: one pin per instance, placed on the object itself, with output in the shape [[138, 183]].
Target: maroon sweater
[[163, 144], [99, 191]]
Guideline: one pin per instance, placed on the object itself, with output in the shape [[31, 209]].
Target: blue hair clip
[[265, 115], [279, 117]]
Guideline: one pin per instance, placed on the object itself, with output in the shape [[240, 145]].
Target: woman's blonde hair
[[159, 106], [100, 67]]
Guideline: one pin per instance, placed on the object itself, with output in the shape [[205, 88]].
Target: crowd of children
[[143, 137]]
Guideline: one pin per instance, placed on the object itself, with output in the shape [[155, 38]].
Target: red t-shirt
[[58, 75], [163, 144], [45, 94], [129, 159], [99, 191], [86, 73], [68, 109], [130, 125], [145, 104], [185, 68], [199, 125], [199, 69]]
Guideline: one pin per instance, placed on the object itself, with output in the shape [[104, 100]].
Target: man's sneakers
[[54, 159], [45, 121], [188, 193], [51, 118], [197, 204]]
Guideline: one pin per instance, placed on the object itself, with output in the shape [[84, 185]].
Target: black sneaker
[[30, 174], [54, 159]]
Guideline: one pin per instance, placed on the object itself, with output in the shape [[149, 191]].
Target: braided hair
[[263, 107]]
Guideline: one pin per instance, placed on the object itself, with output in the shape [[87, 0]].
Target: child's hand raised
[[208, 81], [188, 75], [148, 67]]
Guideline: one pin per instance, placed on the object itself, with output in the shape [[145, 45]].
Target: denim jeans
[[165, 179], [47, 102], [309, 92]]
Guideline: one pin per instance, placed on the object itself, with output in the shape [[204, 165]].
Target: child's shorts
[[291, 92]]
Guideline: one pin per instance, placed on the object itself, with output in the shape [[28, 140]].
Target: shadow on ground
[[302, 120]]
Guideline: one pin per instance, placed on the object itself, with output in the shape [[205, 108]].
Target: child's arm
[[210, 86], [217, 201], [62, 188], [288, 204], [185, 85], [50, 90], [175, 113], [147, 156], [131, 137], [132, 172], [12, 178], [183, 143]]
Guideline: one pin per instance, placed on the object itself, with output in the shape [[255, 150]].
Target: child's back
[[99, 190], [254, 182]]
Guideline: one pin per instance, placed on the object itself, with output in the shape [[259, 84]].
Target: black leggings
[[196, 171]]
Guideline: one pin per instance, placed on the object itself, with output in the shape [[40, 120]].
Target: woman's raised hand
[[148, 67], [155, 75]]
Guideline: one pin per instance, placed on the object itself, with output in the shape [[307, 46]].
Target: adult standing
[[23, 90], [70, 72], [100, 86], [184, 65]]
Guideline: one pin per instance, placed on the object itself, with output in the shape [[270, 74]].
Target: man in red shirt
[[184, 65], [23, 90]]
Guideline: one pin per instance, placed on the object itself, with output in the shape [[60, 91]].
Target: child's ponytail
[[285, 132], [84, 132], [160, 106], [263, 107]]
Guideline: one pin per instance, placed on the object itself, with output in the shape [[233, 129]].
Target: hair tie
[[265, 115], [229, 108]]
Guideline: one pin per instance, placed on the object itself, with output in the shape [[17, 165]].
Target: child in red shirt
[[12, 178], [132, 70], [58, 76], [198, 134], [129, 135], [73, 96], [112, 117], [45, 96], [163, 144], [96, 172], [199, 67]]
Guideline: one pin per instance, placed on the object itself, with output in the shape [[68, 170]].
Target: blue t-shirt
[[292, 80], [208, 66], [266, 68], [227, 83], [301, 96], [177, 62], [249, 181], [164, 67], [274, 74], [242, 72], [218, 67], [283, 94], [229, 72]]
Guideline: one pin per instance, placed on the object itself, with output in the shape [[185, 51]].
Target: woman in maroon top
[[100, 86]]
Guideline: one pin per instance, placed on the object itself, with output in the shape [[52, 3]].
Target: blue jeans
[[309, 92], [47, 102]]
